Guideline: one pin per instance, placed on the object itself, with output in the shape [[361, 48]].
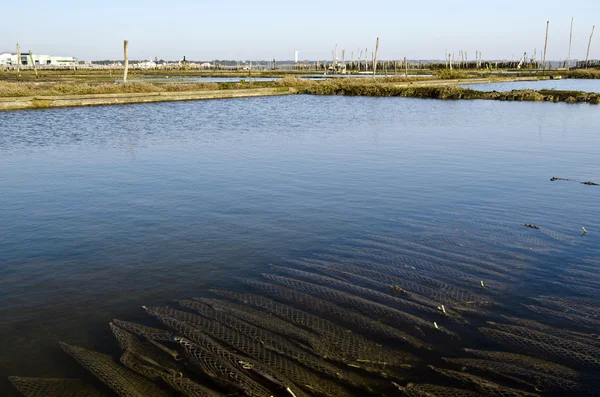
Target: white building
[[6, 58], [10, 59], [146, 65]]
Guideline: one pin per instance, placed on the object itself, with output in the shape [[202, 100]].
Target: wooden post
[[375, 57], [366, 59], [405, 67], [126, 55], [546, 45], [33, 63], [18, 58], [373, 62], [570, 43], [587, 55], [335, 57]]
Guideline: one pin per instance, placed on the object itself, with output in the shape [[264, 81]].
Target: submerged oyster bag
[[363, 319], [47, 387]]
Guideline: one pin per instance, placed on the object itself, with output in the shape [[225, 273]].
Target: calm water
[[587, 85], [105, 209]]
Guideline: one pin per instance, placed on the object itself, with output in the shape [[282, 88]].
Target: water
[[105, 209], [587, 85]]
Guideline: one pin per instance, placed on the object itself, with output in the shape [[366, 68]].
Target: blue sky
[[235, 29]]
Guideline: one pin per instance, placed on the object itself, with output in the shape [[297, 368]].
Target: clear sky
[[265, 29]]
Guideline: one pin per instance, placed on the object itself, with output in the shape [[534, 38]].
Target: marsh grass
[[585, 74], [354, 88]]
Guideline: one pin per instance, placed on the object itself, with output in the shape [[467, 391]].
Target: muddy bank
[[44, 102]]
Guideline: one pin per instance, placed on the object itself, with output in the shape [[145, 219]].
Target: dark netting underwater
[[506, 311]]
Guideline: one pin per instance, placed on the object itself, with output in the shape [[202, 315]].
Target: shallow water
[[105, 209], [587, 85]]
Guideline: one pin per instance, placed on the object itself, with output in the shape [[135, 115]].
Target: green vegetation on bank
[[455, 92], [376, 88]]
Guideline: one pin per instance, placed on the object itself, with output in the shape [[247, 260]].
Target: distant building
[[146, 65], [10, 59]]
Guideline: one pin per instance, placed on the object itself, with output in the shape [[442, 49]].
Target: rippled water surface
[[106, 209], [587, 85]]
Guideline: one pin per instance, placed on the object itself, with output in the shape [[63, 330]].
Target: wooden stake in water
[[546, 45], [570, 44], [375, 57], [405, 67], [587, 55], [33, 63], [126, 55]]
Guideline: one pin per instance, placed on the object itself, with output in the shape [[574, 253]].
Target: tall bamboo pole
[[546, 45], [126, 55], [587, 55], [570, 44], [375, 57]]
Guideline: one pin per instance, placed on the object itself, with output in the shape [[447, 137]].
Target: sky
[[266, 29]]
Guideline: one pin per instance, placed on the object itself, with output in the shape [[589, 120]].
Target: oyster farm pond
[[107, 209]]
